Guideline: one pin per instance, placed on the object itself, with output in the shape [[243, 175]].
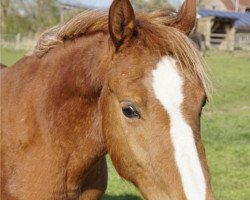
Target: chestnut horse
[[130, 85]]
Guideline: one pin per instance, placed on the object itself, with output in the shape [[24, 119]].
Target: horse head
[[152, 102]]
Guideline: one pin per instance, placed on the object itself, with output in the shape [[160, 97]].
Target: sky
[[106, 3], [176, 3]]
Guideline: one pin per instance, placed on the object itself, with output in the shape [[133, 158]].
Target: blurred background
[[221, 24], [222, 34]]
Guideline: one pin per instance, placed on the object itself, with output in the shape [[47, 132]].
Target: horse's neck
[[75, 72], [51, 110], [82, 62]]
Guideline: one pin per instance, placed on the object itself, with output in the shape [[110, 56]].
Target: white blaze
[[168, 88]]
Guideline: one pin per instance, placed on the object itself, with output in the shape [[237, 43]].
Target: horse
[[127, 84]]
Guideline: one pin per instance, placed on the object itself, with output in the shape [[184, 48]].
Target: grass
[[225, 129], [10, 56]]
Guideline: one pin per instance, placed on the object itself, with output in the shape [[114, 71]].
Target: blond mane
[[156, 27]]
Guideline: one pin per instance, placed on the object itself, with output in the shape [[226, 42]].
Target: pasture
[[225, 128]]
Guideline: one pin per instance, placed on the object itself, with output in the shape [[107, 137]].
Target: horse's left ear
[[122, 24], [186, 17]]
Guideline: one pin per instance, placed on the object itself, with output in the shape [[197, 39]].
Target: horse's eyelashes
[[131, 112]]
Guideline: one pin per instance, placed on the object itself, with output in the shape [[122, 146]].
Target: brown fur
[[61, 108]]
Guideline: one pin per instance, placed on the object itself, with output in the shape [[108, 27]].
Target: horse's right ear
[[122, 24], [186, 17]]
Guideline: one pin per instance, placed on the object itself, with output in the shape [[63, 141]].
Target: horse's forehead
[[129, 70], [140, 70]]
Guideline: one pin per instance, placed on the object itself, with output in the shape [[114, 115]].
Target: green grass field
[[225, 129]]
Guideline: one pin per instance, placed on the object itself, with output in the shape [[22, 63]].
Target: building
[[225, 23], [226, 5]]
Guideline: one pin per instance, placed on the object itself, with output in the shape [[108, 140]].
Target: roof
[[242, 20], [92, 4]]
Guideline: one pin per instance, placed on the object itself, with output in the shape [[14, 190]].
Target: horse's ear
[[122, 24], [186, 17]]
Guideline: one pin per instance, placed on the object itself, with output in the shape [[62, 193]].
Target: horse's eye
[[131, 112]]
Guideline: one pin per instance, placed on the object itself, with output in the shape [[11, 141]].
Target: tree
[[22, 16], [5, 5]]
